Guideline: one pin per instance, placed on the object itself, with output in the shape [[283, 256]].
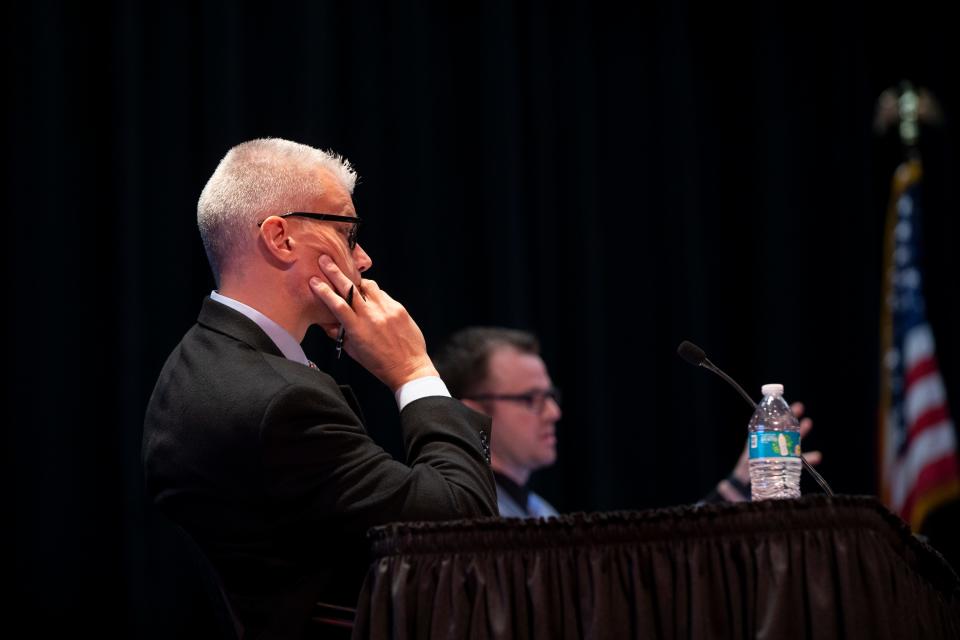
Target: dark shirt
[[516, 492]]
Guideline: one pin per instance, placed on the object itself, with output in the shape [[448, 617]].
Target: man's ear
[[277, 241]]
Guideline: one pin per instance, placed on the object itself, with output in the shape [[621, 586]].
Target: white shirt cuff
[[420, 388]]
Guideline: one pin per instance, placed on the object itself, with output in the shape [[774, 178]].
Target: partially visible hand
[[742, 470], [813, 457], [380, 334]]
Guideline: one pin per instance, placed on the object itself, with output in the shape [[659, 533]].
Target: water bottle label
[[774, 444]]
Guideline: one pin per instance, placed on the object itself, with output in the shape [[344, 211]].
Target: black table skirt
[[816, 567]]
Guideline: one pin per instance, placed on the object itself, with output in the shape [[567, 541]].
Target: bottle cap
[[772, 390]]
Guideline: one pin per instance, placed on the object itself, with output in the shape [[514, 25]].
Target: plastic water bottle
[[774, 443]]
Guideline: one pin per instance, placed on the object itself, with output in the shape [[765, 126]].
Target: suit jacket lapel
[[222, 319]]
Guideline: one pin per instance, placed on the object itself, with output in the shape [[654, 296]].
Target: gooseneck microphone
[[696, 356]]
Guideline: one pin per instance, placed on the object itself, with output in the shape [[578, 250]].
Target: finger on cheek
[[321, 288], [329, 265], [322, 277]]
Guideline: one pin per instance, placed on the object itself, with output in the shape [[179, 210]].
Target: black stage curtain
[[615, 177], [812, 568]]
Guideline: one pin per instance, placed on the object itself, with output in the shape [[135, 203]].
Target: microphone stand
[[706, 364]]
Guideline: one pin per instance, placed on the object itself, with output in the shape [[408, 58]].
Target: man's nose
[[551, 410], [361, 259]]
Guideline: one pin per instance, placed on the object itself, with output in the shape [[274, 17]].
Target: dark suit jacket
[[266, 464]]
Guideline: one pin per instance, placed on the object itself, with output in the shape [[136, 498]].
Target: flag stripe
[[917, 345], [928, 447], [930, 418], [925, 394], [933, 475], [921, 369]]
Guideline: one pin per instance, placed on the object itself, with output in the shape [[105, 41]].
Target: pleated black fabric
[[816, 567]]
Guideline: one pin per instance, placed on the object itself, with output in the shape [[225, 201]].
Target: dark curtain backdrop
[[614, 178]]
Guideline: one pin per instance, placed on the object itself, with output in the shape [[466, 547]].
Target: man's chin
[[548, 458], [329, 326], [323, 318]]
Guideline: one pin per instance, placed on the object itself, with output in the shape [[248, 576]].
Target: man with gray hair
[[260, 456]]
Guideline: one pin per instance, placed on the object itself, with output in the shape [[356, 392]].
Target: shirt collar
[[287, 344]]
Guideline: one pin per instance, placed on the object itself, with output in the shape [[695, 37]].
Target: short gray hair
[[256, 179]]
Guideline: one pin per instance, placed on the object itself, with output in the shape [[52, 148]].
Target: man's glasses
[[535, 400], [332, 217]]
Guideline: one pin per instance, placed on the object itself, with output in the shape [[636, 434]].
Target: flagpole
[[896, 106], [918, 468]]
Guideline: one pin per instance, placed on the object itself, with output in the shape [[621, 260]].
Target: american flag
[[918, 447]]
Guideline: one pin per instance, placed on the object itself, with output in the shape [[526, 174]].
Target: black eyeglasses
[[332, 217], [535, 400]]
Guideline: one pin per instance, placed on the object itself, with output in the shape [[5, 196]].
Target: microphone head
[[691, 353]]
